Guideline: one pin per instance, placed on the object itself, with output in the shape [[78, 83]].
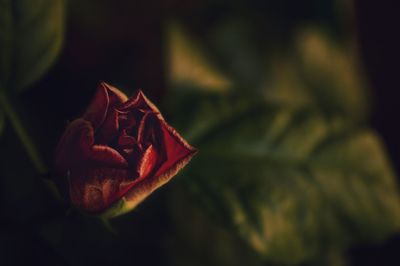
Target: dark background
[[376, 27], [124, 47]]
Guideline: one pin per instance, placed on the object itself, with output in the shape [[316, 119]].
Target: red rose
[[118, 152]]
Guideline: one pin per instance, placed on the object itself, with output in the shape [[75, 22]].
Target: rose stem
[[107, 224], [22, 134]]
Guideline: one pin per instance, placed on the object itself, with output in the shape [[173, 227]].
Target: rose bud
[[117, 153]]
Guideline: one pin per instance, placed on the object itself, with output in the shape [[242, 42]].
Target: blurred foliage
[[303, 57], [195, 233], [285, 159], [188, 64], [314, 71], [331, 72], [317, 71], [289, 180], [31, 34]]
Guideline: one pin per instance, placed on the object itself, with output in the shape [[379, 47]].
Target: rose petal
[[109, 129], [139, 101], [144, 126], [126, 119], [177, 151], [97, 110], [148, 162], [107, 156], [105, 97], [116, 96], [129, 148], [177, 154], [145, 167], [94, 189], [76, 141], [125, 140], [110, 189], [76, 147], [92, 199]]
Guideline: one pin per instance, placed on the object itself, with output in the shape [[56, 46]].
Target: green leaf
[[30, 39], [188, 63], [237, 49], [319, 71], [290, 181], [194, 231], [303, 63]]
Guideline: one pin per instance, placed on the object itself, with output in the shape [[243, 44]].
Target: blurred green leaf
[[30, 39], [188, 63], [238, 49], [289, 180], [194, 231], [308, 67], [319, 71], [300, 60]]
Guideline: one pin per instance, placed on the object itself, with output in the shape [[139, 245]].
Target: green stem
[[107, 224], [22, 134]]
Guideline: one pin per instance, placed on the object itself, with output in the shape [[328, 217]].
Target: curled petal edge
[[143, 189], [140, 191], [105, 97]]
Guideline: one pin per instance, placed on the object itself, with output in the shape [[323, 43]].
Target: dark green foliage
[[289, 180], [30, 39]]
